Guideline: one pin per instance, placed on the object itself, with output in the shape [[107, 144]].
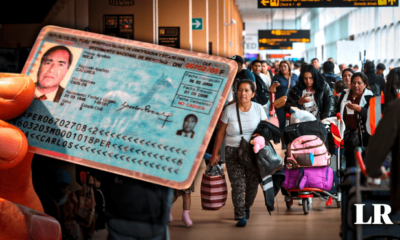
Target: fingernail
[[10, 143], [12, 85], [44, 227]]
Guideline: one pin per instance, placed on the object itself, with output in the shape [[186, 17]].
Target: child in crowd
[[340, 86], [186, 204], [186, 199]]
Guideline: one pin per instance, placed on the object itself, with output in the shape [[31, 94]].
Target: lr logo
[[378, 215]]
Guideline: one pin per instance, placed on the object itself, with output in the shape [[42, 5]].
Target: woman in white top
[[244, 181]]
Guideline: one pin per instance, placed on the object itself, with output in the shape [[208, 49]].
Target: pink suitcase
[[307, 151]]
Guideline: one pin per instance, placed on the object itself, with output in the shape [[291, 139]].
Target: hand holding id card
[[131, 108], [348, 110]]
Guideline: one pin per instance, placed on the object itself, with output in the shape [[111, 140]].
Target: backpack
[[262, 90], [307, 151]]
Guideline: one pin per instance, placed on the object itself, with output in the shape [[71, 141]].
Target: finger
[[16, 94], [19, 222], [212, 162], [13, 145], [15, 168]]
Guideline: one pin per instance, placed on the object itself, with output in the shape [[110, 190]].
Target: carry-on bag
[[293, 131], [214, 191]]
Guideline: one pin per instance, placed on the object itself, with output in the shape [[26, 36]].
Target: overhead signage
[[169, 37], [276, 46], [325, 3], [294, 59], [132, 108], [280, 35], [121, 2], [277, 55], [197, 23]]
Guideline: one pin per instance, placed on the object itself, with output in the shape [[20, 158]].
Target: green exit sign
[[197, 23]]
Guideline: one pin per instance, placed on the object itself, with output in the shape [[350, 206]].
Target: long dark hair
[[363, 77], [318, 79], [347, 70], [392, 85], [288, 64]]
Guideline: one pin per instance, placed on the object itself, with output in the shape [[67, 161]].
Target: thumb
[[19, 222], [15, 168], [16, 94]]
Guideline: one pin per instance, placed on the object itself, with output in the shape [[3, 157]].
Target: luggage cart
[[306, 194]]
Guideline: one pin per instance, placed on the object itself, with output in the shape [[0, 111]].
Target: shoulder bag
[[280, 102], [268, 161], [245, 151]]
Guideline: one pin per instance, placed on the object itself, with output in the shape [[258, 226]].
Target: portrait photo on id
[[55, 68]]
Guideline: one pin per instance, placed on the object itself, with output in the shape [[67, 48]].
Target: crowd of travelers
[[320, 89], [324, 90]]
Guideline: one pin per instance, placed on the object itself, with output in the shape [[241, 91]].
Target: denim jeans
[[281, 114]]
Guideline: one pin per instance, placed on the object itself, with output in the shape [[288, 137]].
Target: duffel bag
[[293, 131], [315, 177]]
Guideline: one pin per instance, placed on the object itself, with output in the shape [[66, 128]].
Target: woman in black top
[[312, 94]]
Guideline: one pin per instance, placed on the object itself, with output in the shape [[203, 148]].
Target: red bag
[[214, 191]]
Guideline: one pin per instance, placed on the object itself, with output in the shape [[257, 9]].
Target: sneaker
[[242, 222], [186, 219], [247, 211]]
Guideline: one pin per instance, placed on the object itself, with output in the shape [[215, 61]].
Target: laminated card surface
[[131, 108]]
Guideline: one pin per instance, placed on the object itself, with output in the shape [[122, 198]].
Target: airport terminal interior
[[336, 62]]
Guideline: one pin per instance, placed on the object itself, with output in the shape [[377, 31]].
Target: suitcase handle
[[357, 152]]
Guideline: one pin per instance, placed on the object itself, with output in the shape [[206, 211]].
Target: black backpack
[[262, 90]]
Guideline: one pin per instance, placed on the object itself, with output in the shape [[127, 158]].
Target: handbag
[[214, 191], [351, 137], [268, 161], [280, 102], [245, 150]]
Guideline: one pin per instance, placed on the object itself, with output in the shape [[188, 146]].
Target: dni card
[[131, 108]]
